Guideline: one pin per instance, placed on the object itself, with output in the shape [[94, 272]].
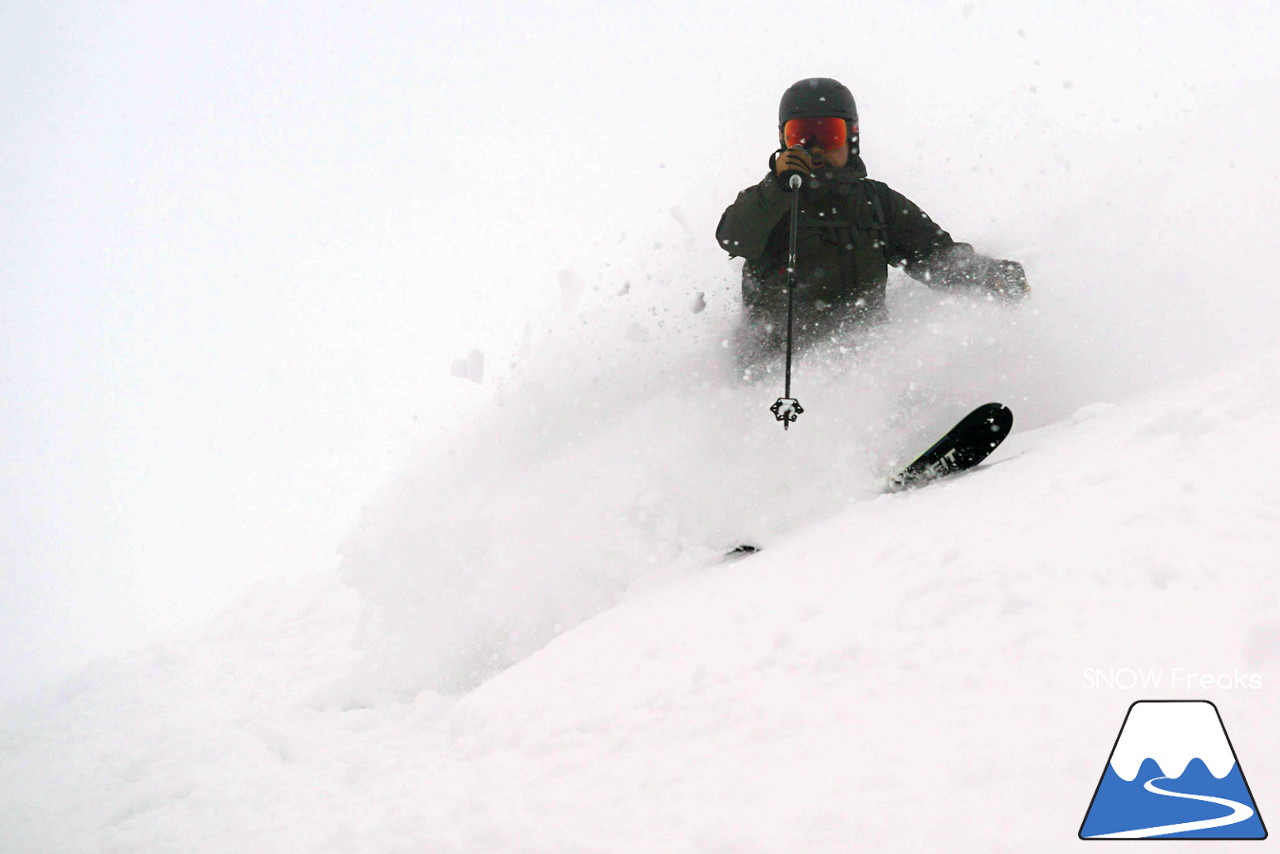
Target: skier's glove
[[1008, 280], [790, 160]]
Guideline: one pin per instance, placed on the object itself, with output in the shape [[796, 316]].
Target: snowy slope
[[908, 674], [248, 247]]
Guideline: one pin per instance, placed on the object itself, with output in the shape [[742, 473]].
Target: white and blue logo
[[1173, 774]]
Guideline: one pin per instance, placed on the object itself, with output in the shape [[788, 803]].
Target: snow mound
[[819, 692]]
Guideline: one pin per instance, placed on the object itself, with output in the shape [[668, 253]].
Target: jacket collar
[[838, 179]]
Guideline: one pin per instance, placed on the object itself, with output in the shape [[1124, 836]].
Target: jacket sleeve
[[915, 242], [928, 253], [745, 226]]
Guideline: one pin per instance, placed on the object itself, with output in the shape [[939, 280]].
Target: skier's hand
[[791, 160], [1009, 281]]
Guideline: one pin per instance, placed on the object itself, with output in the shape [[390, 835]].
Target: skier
[[851, 229]]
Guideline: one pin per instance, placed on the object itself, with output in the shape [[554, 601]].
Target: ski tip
[[996, 414], [964, 447]]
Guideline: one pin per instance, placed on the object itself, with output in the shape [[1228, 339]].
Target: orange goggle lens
[[827, 133]]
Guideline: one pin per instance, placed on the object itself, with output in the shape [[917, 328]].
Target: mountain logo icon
[[1173, 774]]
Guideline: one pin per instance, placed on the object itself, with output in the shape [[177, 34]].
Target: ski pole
[[787, 408]]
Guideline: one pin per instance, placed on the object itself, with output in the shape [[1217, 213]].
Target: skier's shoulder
[[765, 190], [891, 199], [888, 200], [909, 227], [899, 213]]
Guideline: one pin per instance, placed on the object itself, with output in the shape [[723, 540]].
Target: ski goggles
[[827, 133]]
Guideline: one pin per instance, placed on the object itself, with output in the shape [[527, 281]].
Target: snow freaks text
[[1175, 678]]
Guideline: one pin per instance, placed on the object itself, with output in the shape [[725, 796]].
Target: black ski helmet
[[816, 97]]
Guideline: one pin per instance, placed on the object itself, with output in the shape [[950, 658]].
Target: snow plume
[[608, 455]]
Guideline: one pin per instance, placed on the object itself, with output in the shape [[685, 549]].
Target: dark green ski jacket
[[851, 229]]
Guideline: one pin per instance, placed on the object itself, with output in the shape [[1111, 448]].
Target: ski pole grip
[[790, 179]]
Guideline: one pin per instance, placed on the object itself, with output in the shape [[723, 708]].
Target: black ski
[[965, 445]]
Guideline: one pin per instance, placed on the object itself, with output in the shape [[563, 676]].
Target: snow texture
[[531, 643], [820, 692]]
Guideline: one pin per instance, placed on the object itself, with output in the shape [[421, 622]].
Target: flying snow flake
[[683, 223], [470, 368], [570, 289]]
